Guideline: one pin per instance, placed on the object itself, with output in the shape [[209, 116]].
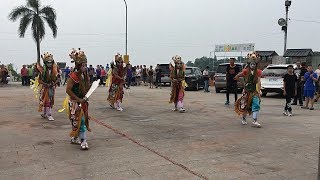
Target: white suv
[[272, 78]]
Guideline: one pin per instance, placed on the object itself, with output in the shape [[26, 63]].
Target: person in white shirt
[[206, 79], [138, 75]]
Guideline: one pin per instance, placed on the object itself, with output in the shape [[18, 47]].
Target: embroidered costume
[[77, 86], [47, 83], [117, 79], [178, 84], [249, 102]]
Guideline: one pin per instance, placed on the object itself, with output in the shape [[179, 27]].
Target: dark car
[[194, 78], [165, 74]]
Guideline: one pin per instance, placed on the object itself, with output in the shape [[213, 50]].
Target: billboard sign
[[235, 47]]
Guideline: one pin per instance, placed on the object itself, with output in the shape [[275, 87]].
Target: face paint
[[49, 64], [179, 64], [253, 65], [83, 67]]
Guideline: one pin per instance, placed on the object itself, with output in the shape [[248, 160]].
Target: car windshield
[[223, 68], [164, 68], [275, 71], [189, 71]]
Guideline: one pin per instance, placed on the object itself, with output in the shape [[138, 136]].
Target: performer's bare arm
[[70, 84], [238, 75], [259, 85]]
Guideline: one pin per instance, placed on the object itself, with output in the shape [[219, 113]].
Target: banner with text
[[234, 47]]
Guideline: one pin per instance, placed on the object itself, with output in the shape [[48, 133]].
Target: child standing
[[289, 89]]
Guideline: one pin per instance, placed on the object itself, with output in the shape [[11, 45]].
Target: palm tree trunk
[[38, 48]]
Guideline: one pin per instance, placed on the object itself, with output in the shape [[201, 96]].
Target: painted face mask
[[83, 67], [49, 64], [253, 65], [179, 64]]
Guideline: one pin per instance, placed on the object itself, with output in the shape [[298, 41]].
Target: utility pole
[[285, 28]]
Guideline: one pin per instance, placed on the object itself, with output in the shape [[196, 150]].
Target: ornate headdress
[[117, 58], [253, 57], [47, 57], [78, 56], [176, 59]]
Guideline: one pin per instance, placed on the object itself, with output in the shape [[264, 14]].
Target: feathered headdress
[[78, 56]]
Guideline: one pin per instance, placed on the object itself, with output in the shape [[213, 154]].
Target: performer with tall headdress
[[118, 73], [78, 85], [47, 81], [178, 84], [249, 102]]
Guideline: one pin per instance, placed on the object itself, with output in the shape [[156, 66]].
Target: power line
[[71, 34], [308, 21]]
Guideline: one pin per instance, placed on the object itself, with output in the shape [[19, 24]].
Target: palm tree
[[35, 14]]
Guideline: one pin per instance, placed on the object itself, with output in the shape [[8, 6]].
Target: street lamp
[[285, 27], [125, 2]]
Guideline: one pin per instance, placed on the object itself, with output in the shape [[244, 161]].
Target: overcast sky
[[159, 29]]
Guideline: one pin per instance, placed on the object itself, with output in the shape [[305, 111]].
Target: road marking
[[148, 148]]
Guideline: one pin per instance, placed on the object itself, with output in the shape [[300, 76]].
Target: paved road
[[149, 141]]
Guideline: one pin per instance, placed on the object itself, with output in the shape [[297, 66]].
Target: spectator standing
[[103, 76], [66, 74], [144, 75], [24, 75], [107, 68], [133, 80], [309, 87], [317, 71], [91, 73], [150, 75], [232, 86], [158, 76], [138, 75], [289, 89], [98, 73], [298, 97], [129, 76], [206, 79]]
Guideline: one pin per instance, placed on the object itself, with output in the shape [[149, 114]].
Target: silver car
[[220, 76]]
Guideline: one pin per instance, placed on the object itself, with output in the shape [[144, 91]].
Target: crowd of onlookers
[[149, 76], [28, 73], [135, 75]]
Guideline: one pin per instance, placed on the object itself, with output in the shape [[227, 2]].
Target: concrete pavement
[[149, 141]]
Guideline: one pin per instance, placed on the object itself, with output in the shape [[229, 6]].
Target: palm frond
[[19, 11], [34, 4], [38, 29], [24, 23], [52, 24], [49, 12]]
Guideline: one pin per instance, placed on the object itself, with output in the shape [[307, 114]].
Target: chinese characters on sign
[[235, 47]]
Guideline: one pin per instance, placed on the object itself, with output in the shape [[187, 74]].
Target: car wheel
[[197, 86], [264, 93], [218, 90]]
